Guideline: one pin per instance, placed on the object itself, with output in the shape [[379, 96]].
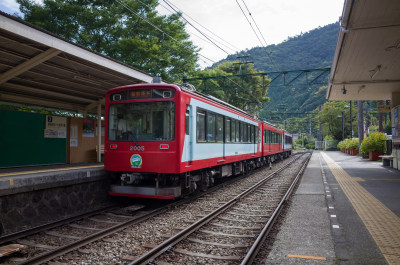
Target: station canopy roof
[[39, 68], [366, 64]]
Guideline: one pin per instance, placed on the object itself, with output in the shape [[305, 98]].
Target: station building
[[38, 68], [366, 61]]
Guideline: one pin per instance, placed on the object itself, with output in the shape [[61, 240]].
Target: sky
[[276, 20]]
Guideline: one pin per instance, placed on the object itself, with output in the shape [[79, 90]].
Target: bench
[[101, 149], [387, 161]]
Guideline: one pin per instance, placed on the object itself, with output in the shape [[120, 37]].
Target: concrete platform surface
[[345, 211], [25, 179]]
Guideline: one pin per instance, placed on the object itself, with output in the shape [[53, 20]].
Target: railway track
[[235, 231], [118, 237]]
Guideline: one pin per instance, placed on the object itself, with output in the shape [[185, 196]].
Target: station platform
[[25, 179], [346, 210], [32, 196]]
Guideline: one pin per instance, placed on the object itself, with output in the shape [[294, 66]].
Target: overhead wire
[[157, 28], [263, 45], [219, 47], [227, 44]]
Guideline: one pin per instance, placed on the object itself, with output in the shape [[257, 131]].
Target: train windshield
[[142, 121]]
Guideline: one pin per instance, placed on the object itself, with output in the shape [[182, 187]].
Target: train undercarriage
[[171, 186]]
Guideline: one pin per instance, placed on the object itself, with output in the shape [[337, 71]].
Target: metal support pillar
[[351, 120], [99, 132]]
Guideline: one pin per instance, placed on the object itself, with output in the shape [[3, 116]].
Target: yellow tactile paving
[[46, 170], [381, 222]]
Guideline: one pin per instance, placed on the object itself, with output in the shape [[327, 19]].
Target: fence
[[326, 145]]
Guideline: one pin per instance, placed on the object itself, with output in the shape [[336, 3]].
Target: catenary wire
[[157, 28], [262, 44], [232, 47], [219, 47]]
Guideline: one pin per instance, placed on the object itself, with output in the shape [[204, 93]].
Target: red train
[[164, 141]]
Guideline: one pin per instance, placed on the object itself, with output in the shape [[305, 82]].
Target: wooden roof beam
[[25, 66]]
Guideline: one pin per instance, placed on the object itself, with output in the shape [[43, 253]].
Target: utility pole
[[360, 122], [342, 127], [351, 120], [380, 118], [320, 128]]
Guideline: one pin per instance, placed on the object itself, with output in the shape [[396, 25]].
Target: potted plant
[[341, 146], [374, 145], [352, 145]]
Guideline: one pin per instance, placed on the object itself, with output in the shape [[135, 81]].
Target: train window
[[237, 131], [257, 136], [250, 137], [220, 128], [187, 120], [227, 130], [252, 134], [245, 133], [266, 137], [233, 131], [201, 126], [142, 121], [211, 127]]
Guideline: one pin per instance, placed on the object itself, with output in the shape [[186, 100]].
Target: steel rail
[[252, 253], [167, 244], [91, 238], [27, 232], [101, 234]]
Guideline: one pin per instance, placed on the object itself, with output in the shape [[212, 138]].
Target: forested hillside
[[314, 49]]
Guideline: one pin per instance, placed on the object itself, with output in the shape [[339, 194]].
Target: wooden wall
[[82, 140]]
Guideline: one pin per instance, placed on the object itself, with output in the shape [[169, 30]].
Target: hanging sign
[[384, 108]]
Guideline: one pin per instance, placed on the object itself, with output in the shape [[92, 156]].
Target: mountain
[[310, 50]]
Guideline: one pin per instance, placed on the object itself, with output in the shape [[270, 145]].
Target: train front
[[141, 147]]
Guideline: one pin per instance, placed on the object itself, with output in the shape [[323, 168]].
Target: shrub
[[329, 138], [341, 145], [352, 144], [374, 143], [310, 145]]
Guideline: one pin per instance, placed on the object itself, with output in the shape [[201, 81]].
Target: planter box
[[374, 156], [354, 152]]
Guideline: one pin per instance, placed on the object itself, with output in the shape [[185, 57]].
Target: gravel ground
[[122, 247]]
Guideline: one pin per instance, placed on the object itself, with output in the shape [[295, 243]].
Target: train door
[[189, 134], [220, 134], [260, 139], [253, 131]]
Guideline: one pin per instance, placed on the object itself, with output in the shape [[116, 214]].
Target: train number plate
[[136, 148]]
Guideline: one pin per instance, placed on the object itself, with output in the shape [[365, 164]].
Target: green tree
[[118, 29], [331, 120], [245, 92]]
